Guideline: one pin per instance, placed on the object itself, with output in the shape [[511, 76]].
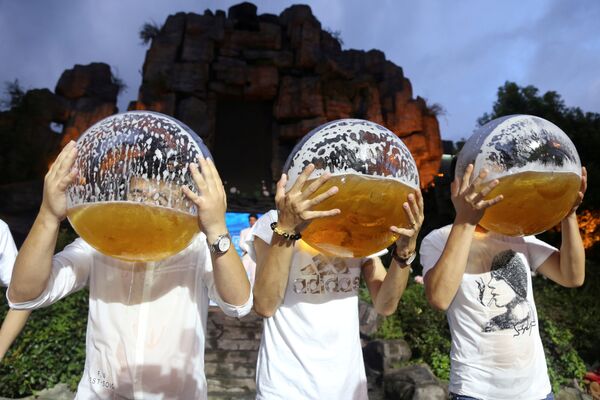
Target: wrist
[[570, 219], [290, 235], [404, 258], [214, 231], [465, 222], [286, 225], [48, 219]]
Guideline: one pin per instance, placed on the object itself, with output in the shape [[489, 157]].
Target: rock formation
[[198, 62], [35, 130]]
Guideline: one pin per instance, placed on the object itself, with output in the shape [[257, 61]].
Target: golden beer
[[133, 231], [533, 202], [368, 205]]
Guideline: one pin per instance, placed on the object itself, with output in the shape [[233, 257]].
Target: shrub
[[50, 350]]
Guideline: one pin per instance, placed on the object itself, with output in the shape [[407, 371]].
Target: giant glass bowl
[[374, 172], [127, 202], [538, 169]]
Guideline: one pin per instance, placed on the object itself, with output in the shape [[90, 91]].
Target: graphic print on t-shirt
[[325, 275], [506, 290]]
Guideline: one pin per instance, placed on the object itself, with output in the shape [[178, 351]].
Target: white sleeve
[[8, 254], [261, 229], [205, 263], [70, 273], [244, 239], [431, 249], [538, 251]]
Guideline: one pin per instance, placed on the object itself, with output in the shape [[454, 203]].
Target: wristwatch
[[221, 245], [403, 262]]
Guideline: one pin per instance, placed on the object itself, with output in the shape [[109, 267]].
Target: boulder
[[414, 382]]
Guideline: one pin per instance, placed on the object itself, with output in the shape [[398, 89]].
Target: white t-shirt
[[146, 322], [310, 347], [8, 254], [497, 352], [247, 260]]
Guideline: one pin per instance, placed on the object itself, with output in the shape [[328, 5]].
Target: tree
[[149, 31], [13, 94], [583, 128]]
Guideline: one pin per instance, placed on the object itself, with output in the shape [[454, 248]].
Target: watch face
[[224, 244]]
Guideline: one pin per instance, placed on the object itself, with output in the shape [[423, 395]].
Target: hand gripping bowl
[[127, 201], [374, 172], [537, 166]]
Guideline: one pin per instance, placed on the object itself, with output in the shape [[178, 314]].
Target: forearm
[[272, 272], [443, 280], [33, 265], [572, 253], [230, 277], [11, 327], [391, 290]]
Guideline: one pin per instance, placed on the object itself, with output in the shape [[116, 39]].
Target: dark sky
[[456, 53]]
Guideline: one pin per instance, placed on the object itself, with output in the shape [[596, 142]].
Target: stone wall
[[196, 60]]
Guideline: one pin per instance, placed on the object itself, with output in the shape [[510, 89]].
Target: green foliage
[[424, 328], [566, 314], [582, 127], [564, 364], [50, 350]]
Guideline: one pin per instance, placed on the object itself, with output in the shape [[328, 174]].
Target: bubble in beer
[[127, 202], [374, 172], [538, 169]]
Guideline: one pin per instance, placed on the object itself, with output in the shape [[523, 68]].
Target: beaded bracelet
[[286, 235]]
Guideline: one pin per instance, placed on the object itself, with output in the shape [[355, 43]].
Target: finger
[[310, 215], [480, 177], [67, 163], [583, 180], [206, 173], [466, 178], [414, 208], [484, 204], [194, 198], [322, 197], [484, 192], [489, 187], [455, 186], [280, 190], [197, 177], [299, 184], [402, 231], [409, 215], [314, 186], [420, 202], [67, 180], [214, 173], [61, 156]]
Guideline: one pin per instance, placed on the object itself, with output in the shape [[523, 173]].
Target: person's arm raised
[[567, 267], [230, 277], [34, 262], [273, 260], [442, 281], [386, 287]]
